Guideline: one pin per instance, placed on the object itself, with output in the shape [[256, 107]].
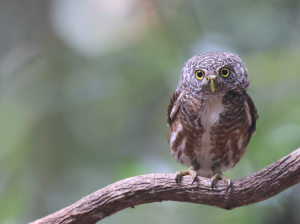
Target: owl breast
[[210, 135]]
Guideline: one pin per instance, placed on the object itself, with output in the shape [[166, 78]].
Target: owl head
[[214, 73]]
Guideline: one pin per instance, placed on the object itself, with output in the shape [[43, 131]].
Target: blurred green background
[[84, 90]]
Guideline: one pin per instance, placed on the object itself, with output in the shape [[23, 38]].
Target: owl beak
[[211, 79], [212, 85]]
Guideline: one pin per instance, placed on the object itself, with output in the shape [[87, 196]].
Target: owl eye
[[199, 74], [224, 72]]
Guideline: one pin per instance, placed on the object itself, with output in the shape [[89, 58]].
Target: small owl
[[210, 115]]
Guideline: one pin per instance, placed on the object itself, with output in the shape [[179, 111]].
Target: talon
[[212, 184], [220, 176], [214, 180], [176, 178], [189, 171], [228, 185], [194, 177]]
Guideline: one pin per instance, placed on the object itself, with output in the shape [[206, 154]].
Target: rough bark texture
[[157, 187]]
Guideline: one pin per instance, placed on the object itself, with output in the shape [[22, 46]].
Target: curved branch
[[133, 191]]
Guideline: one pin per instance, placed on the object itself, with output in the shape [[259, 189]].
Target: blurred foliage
[[85, 87]]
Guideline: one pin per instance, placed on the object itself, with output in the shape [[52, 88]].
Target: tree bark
[[158, 187]]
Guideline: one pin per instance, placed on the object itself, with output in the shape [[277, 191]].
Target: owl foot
[[220, 176], [189, 171]]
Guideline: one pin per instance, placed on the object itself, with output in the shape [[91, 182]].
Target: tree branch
[[157, 187]]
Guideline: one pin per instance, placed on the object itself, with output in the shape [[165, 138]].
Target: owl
[[210, 116]]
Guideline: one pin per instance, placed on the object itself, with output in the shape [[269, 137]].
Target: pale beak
[[212, 85]]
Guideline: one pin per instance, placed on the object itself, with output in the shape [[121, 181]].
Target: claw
[[220, 176], [212, 183], [189, 171], [176, 178], [228, 185], [194, 178]]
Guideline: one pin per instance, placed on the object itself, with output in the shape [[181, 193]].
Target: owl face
[[214, 73]]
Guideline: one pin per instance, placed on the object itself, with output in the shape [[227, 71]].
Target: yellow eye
[[224, 72], [199, 74]]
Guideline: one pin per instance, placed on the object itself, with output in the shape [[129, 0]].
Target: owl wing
[[252, 114], [173, 107]]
